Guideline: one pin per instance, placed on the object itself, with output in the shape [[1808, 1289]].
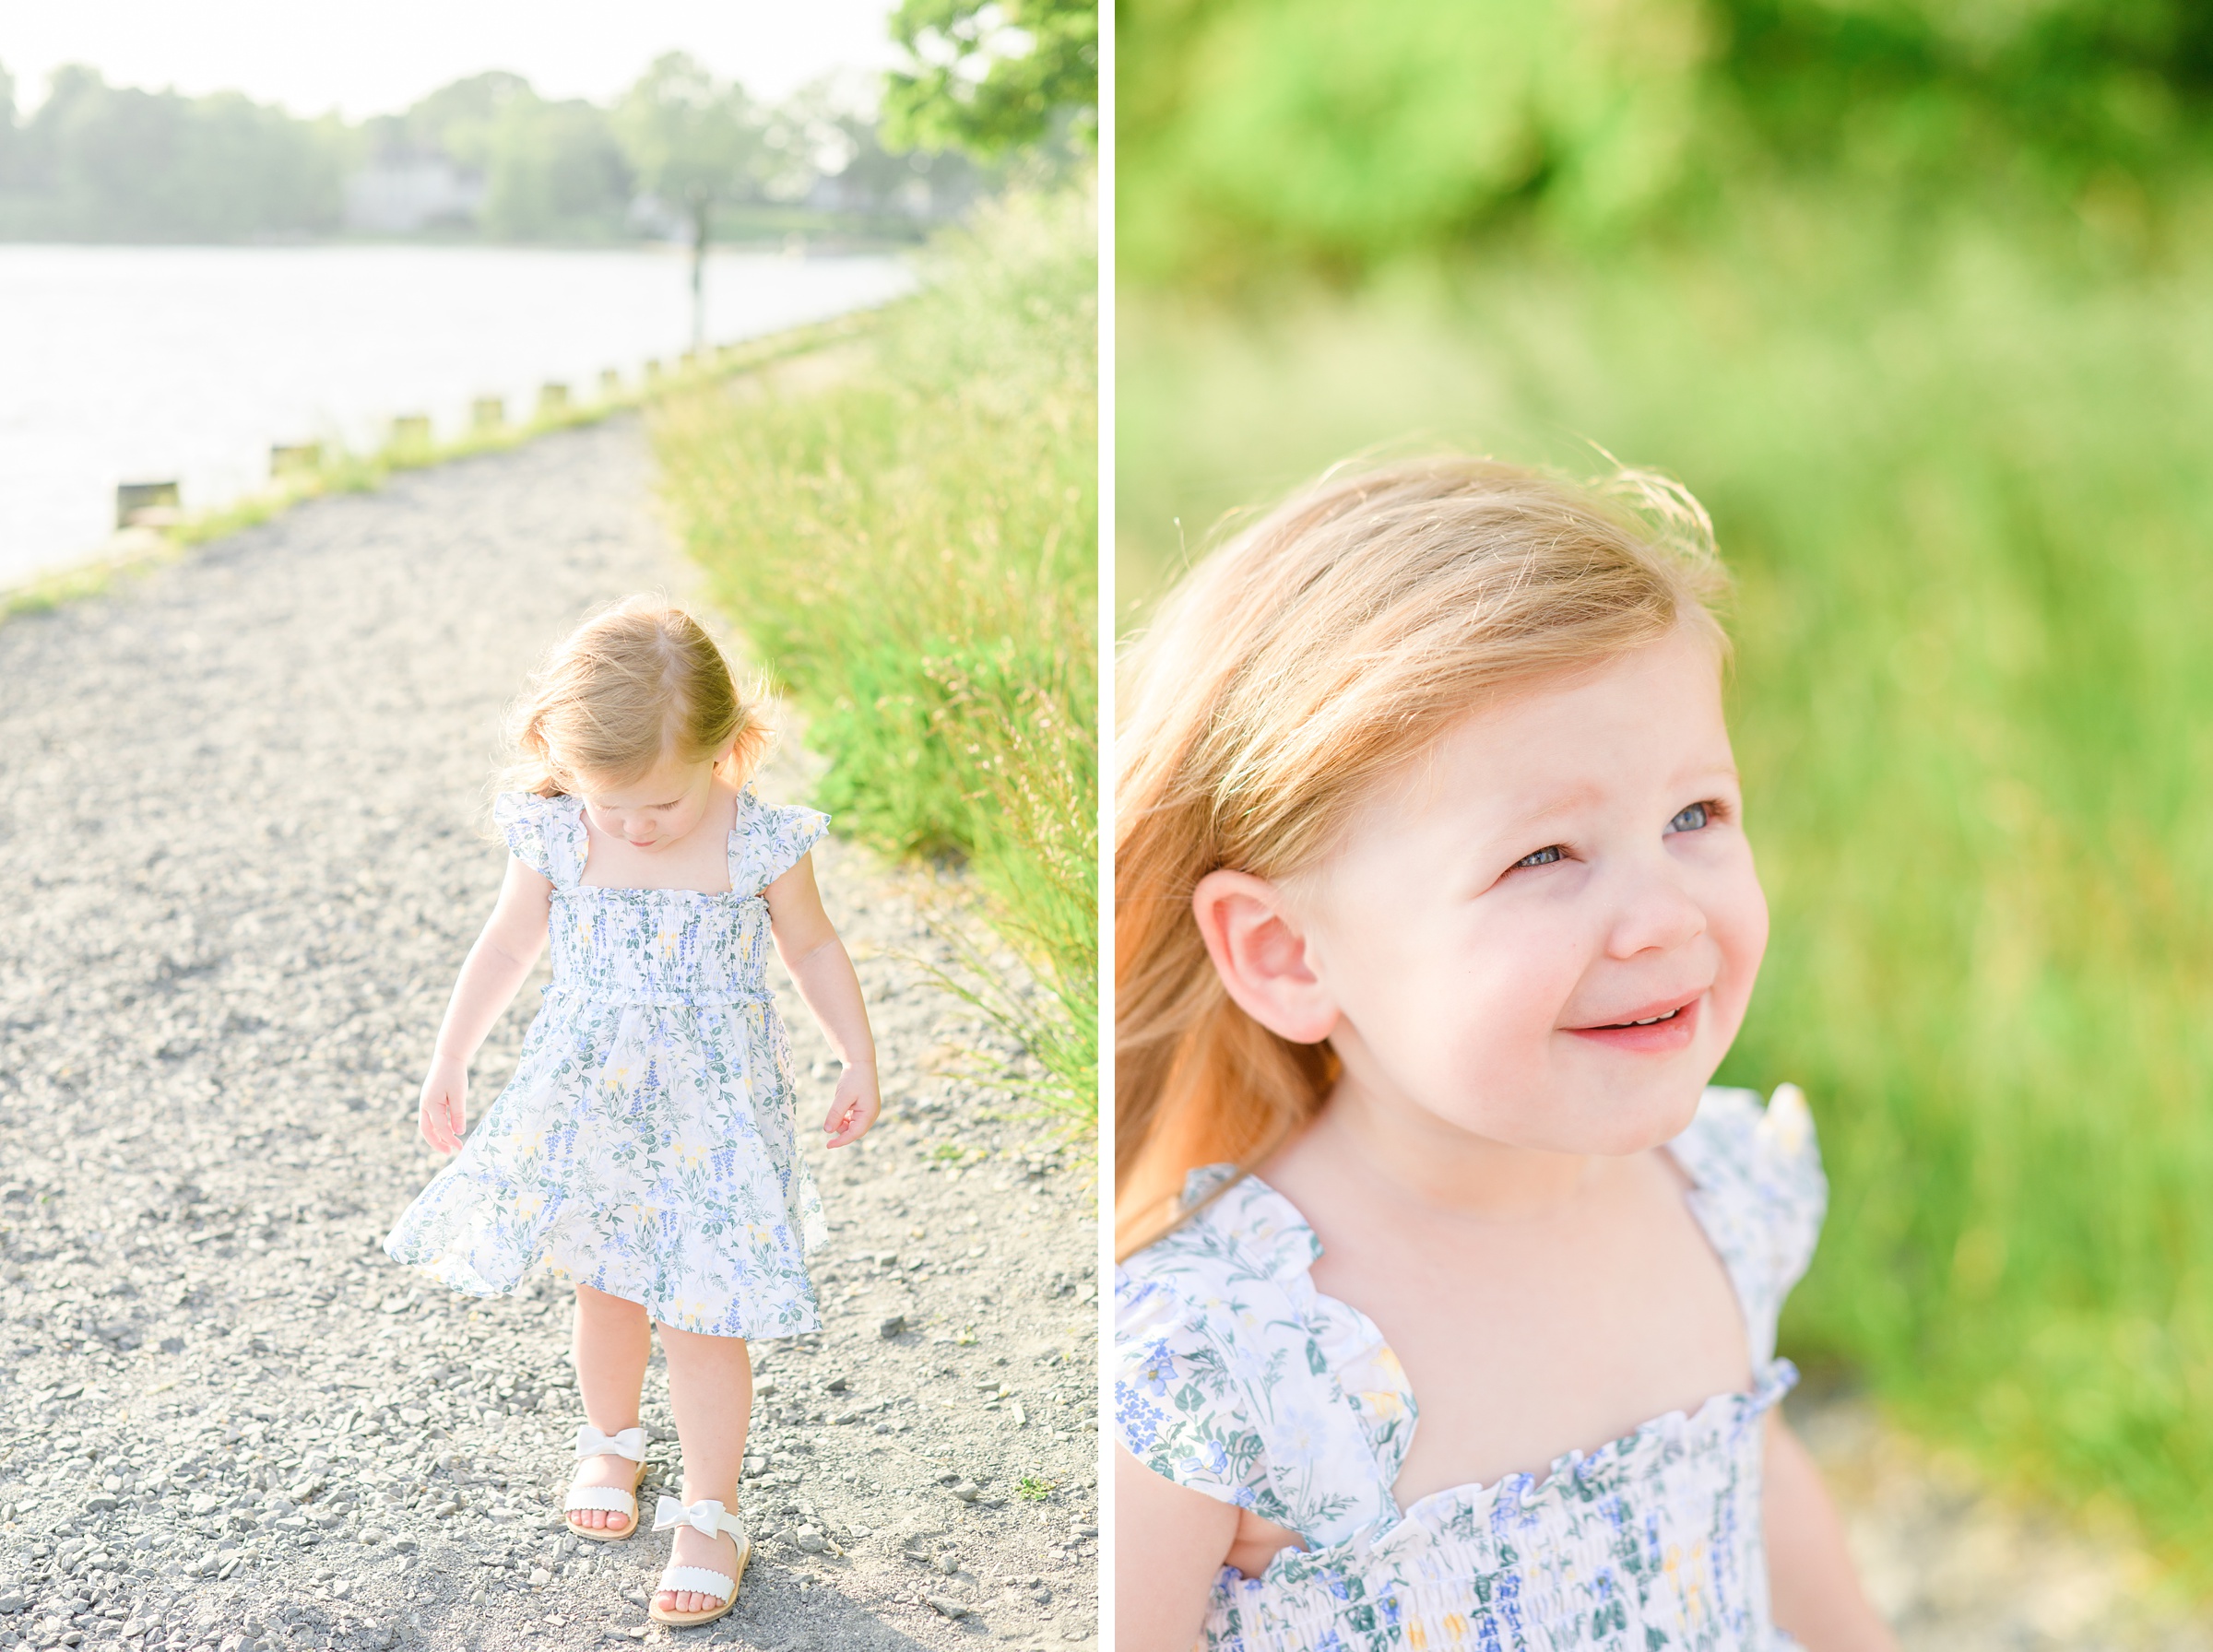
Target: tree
[[109, 163], [7, 125], [695, 144], [461, 120], [556, 174], [989, 77]]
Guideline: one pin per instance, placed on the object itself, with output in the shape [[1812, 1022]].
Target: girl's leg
[[612, 1343], [711, 1390]]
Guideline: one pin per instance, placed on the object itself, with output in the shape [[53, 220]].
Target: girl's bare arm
[[1815, 1592], [816, 958], [495, 968], [1170, 1542]]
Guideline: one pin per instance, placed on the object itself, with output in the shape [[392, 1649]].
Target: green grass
[[1966, 496], [912, 549]]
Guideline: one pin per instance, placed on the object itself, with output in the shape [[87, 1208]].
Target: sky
[[363, 57]]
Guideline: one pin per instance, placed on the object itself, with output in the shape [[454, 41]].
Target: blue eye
[[1542, 857], [1693, 819]]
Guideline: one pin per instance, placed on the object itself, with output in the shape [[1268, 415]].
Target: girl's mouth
[[1653, 1029]]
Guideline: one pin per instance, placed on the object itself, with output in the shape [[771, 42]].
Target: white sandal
[[612, 1500], [705, 1515]]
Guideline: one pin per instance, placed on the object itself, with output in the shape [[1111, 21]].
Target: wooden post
[[552, 399], [610, 384], [487, 413], [411, 429], [652, 370], [146, 504], [294, 458]]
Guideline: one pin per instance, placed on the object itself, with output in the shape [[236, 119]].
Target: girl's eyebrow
[[1584, 794]]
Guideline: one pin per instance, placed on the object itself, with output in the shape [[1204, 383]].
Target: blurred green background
[[1918, 297]]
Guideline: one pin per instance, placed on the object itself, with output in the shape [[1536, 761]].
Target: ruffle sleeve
[[1176, 1408], [1760, 1196], [1235, 1378], [542, 833], [769, 841]]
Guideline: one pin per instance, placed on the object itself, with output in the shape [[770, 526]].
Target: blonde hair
[[1310, 658], [639, 681]]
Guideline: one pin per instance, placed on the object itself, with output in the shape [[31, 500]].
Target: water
[[186, 363]]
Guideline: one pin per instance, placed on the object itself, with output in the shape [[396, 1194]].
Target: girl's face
[[659, 810], [1548, 935]]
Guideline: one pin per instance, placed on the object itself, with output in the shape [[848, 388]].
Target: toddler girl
[[1435, 914], [644, 1149]]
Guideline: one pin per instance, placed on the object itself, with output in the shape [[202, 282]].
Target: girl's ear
[[1260, 954]]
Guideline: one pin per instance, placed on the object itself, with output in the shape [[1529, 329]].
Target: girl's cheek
[[1745, 941], [1493, 1006], [1738, 916]]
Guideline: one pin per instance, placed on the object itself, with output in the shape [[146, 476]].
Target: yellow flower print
[[1383, 1404], [1688, 1573]]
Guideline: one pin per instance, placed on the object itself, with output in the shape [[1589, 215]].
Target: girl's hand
[[853, 1107], [444, 1112]]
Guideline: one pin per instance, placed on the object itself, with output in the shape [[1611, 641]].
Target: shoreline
[[130, 551]]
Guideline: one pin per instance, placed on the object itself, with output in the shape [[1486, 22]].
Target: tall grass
[[912, 547], [1966, 498]]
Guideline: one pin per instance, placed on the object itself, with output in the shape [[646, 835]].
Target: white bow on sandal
[[612, 1500], [705, 1515]]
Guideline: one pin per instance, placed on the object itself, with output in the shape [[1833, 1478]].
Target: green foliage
[[992, 76], [556, 174], [459, 120], [1343, 135], [1965, 499], [693, 140], [1253, 135], [98, 162], [912, 549]]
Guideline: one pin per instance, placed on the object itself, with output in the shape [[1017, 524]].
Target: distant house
[[895, 189], [401, 194]]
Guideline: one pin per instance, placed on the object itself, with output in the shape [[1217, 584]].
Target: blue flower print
[[1139, 1417], [1156, 1369], [1287, 1401]]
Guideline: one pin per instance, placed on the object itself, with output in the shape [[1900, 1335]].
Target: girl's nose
[[1657, 913]]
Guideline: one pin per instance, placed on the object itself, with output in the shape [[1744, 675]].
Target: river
[[186, 363]]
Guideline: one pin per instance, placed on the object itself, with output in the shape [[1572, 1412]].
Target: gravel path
[[1956, 1567], [240, 812]]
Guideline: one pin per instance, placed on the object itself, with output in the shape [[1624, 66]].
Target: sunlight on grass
[[912, 548]]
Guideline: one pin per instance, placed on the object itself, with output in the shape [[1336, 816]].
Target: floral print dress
[[645, 1146], [1237, 1378]]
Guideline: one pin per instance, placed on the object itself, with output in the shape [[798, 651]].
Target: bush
[[913, 550]]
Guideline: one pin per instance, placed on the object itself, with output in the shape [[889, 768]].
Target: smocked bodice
[[1237, 1378], [658, 946]]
